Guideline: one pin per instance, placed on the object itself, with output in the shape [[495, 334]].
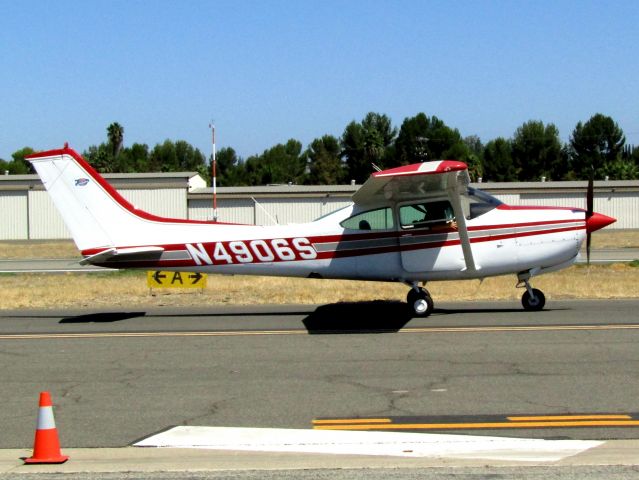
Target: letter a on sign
[[162, 279]]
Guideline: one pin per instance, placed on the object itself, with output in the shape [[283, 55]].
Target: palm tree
[[115, 133]]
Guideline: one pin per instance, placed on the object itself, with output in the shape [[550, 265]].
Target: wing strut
[[455, 198]]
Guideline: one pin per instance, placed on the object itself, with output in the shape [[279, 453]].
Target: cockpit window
[[378, 219], [479, 202], [426, 214]]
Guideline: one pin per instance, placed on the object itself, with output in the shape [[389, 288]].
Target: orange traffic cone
[[46, 446]]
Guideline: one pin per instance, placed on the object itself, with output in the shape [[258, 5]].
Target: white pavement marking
[[368, 443]]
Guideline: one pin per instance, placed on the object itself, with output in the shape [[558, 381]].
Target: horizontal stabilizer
[[114, 255]]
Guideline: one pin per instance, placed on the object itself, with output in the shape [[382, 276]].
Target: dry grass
[[130, 290], [38, 249], [615, 239]]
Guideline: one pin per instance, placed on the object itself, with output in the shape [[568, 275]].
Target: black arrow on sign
[[158, 276], [196, 277]]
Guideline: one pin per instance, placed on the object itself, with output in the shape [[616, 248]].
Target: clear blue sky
[[266, 71]]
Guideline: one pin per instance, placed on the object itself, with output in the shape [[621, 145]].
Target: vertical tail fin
[[94, 212], [98, 217], [79, 198], [104, 224]]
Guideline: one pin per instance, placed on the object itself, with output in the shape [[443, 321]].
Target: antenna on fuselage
[[274, 220]]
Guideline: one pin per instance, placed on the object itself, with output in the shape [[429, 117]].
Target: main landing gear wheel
[[420, 302], [533, 302]]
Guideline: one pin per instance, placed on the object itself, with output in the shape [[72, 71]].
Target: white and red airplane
[[410, 224]]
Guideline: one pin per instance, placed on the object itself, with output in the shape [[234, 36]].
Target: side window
[[379, 219], [426, 214]]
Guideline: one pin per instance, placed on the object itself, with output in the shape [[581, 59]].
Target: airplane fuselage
[[504, 240]]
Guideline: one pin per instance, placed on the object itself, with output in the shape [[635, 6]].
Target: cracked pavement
[[111, 391]]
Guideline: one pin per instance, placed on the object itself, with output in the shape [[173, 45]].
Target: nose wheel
[[533, 299], [419, 301]]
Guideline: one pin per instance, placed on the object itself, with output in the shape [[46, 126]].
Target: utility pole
[[212, 127]]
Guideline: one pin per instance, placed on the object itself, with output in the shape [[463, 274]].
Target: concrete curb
[[132, 459]]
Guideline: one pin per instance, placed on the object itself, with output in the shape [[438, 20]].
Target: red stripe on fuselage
[[503, 206]]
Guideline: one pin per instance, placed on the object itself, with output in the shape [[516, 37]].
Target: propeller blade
[[590, 200], [590, 196]]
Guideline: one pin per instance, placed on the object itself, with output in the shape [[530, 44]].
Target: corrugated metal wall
[[624, 206], [44, 220], [30, 214], [295, 210], [166, 202], [230, 210], [559, 199], [508, 199], [13, 215], [265, 211]]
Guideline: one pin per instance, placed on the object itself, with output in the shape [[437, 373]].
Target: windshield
[[332, 213], [479, 202]]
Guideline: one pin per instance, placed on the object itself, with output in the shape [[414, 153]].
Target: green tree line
[[597, 147]]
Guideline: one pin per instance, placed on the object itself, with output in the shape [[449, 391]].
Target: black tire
[[535, 303], [420, 302]]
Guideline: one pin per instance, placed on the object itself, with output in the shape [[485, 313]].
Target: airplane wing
[[421, 181], [410, 182]]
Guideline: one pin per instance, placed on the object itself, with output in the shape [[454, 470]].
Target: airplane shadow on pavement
[[358, 317], [103, 317], [384, 316]]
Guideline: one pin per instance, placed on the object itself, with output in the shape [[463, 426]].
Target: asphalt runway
[[571, 371]]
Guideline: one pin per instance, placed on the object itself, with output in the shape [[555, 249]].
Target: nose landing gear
[[533, 299], [419, 301]]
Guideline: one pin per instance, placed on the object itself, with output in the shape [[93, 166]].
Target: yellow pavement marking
[[351, 421], [235, 333], [483, 425], [551, 418]]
